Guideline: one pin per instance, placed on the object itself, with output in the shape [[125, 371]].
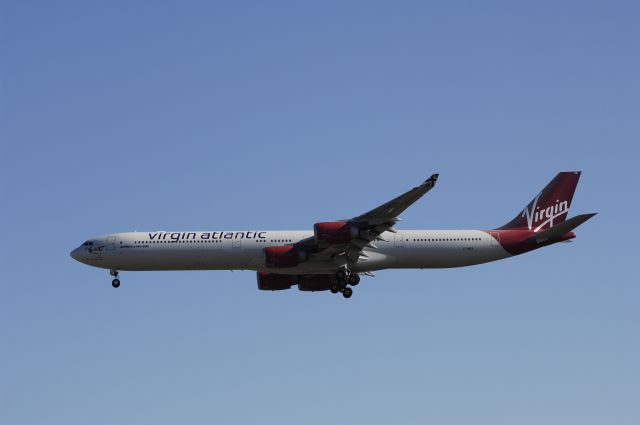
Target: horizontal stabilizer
[[559, 230]]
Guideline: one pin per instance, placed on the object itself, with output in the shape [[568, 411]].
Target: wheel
[[347, 292], [115, 283], [354, 279], [334, 288], [340, 274]]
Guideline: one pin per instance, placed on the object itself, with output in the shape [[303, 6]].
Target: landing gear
[[348, 277], [344, 278], [115, 282]]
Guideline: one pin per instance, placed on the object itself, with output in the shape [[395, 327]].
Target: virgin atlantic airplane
[[336, 253]]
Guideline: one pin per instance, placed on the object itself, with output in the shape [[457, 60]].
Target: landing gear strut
[[115, 282]]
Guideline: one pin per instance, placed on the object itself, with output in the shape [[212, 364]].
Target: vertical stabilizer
[[549, 207]]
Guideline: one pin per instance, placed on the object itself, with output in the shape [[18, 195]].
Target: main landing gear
[[344, 278], [115, 282]]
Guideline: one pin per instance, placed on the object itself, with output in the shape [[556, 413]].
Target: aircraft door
[[399, 240], [111, 243], [237, 243]]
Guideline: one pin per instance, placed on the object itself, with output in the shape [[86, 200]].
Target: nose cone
[[75, 254]]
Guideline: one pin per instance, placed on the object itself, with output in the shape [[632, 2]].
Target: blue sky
[[120, 116]]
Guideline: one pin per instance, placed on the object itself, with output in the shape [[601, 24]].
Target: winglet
[[431, 181]]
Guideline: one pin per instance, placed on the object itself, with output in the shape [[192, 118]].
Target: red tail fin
[[550, 206]]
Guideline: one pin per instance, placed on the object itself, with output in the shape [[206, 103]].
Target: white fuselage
[[244, 250]]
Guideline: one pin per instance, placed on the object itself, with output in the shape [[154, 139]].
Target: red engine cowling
[[314, 282], [283, 256], [274, 282], [335, 232]]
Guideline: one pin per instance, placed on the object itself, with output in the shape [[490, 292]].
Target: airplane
[[336, 253]]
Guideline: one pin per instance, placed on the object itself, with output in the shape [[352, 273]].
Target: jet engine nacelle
[[335, 232], [283, 256], [314, 282], [274, 282]]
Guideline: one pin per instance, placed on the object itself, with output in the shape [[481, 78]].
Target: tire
[[340, 274], [347, 292], [354, 279], [115, 283], [334, 289]]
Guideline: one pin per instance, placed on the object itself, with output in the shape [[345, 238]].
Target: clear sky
[[120, 116]]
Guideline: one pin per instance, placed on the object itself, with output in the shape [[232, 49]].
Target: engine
[[283, 256], [274, 282], [335, 232], [314, 282]]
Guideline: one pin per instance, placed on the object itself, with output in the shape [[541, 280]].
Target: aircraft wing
[[390, 211], [370, 226]]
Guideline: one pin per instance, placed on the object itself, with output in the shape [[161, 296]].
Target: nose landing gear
[[115, 282]]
